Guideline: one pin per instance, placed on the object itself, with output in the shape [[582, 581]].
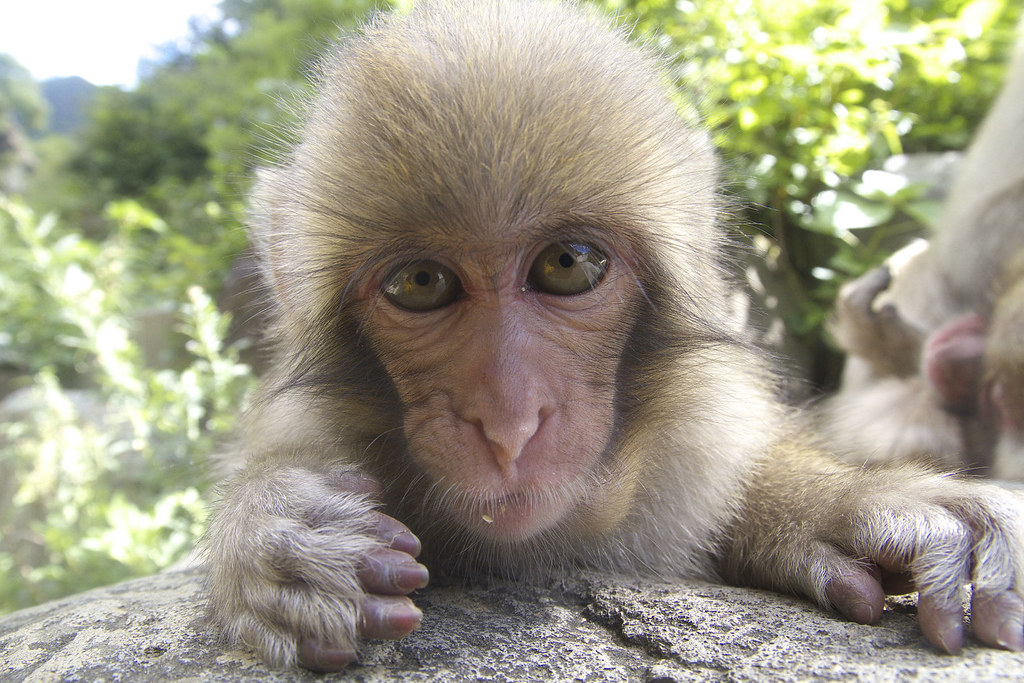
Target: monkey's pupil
[[566, 260], [422, 278]]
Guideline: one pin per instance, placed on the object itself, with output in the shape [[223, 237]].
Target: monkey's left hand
[[938, 542], [864, 533]]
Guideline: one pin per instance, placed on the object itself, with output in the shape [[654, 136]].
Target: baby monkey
[[502, 325]]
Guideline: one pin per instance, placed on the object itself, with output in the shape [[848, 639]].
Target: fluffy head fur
[[532, 118], [421, 131]]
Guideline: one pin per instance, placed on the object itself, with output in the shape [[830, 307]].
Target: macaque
[[504, 345], [934, 337], [950, 396]]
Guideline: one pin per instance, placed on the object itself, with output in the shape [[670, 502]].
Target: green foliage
[[22, 111], [140, 264], [806, 97], [104, 484], [137, 139]]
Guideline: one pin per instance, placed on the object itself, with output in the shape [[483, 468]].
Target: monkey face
[[500, 355], [492, 250]]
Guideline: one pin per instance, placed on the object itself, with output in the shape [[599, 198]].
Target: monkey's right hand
[[877, 333], [302, 566]]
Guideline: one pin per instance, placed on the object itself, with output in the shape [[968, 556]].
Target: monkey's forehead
[[495, 112], [485, 121]]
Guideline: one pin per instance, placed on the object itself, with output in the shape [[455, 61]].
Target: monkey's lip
[[515, 516]]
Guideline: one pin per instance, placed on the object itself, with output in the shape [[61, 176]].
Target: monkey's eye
[[566, 269], [422, 286]]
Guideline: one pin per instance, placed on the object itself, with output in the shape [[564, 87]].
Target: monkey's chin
[[515, 517]]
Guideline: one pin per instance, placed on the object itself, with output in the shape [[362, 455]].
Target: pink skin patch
[[953, 362]]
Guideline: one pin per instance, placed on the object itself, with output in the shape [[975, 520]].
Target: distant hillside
[[69, 99]]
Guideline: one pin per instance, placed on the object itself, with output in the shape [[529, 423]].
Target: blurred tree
[[20, 98], [137, 139], [190, 131], [22, 110], [806, 96]]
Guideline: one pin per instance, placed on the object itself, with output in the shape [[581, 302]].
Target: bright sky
[[100, 40]]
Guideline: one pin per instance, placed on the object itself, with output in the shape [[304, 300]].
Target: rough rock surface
[[597, 628]]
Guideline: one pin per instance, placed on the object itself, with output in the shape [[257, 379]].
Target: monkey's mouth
[[515, 516]]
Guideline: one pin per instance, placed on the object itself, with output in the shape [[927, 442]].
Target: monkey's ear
[[267, 225], [296, 245]]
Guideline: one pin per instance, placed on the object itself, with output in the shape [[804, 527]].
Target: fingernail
[[404, 617], [316, 656], [406, 542], [951, 641], [862, 612], [411, 576], [1011, 636]]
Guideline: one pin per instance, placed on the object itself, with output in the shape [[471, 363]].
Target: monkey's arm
[[878, 334], [302, 566], [845, 537]]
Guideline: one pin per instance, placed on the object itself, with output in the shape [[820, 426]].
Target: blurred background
[[128, 137]]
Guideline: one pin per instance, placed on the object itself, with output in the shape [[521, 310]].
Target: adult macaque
[[936, 358], [502, 320]]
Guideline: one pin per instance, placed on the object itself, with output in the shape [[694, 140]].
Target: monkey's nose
[[507, 438]]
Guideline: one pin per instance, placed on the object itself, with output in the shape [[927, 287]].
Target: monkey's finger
[[894, 575], [942, 622], [997, 606], [867, 289], [395, 534], [934, 545], [998, 619], [391, 572], [857, 594], [388, 617], [318, 656], [940, 570]]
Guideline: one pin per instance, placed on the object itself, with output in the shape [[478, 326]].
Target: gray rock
[[598, 628]]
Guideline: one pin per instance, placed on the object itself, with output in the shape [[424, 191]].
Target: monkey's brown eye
[[566, 269], [422, 286]]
